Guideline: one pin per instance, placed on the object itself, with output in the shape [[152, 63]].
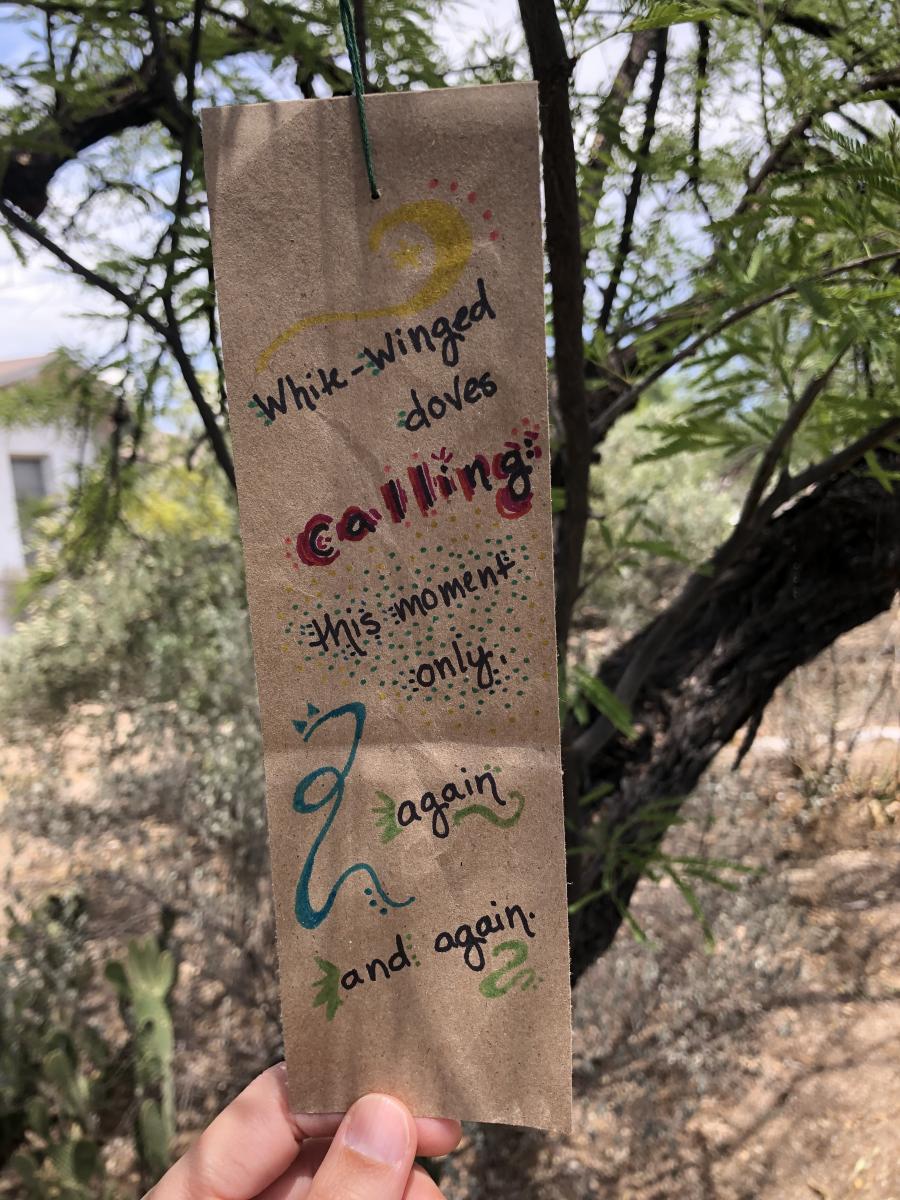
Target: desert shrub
[[150, 649], [653, 519], [68, 1083]]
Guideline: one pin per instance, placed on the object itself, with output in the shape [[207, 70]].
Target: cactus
[[70, 1168], [62, 1086], [143, 982]]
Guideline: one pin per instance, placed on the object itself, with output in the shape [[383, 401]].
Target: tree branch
[[207, 416], [552, 68], [780, 442], [700, 85], [637, 178], [627, 399], [841, 460], [683, 609], [803, 123], [615, 396], [823, 567], [161, 60], [609, 122], [32, 230], [131, 100], [134, 100], [170, 332]]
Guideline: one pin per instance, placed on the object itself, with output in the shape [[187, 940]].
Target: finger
[[296, 1182], [421, 1186], [371, 1155], [249, 1145], [436, 1136]]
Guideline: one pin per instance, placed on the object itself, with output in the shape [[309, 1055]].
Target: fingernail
[[377, 1128]]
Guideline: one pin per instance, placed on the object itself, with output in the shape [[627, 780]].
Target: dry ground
[[768, 1067]]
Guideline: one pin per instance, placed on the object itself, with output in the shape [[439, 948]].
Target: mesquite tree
[[721, 214]]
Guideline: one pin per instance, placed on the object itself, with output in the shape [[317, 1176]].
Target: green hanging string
[[356, 70]]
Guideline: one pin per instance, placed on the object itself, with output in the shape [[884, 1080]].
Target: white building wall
[[61, 451]]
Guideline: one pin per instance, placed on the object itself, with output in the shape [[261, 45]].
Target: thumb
[[371, 1155]]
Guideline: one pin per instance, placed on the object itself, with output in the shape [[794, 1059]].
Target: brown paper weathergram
[[387, 387]]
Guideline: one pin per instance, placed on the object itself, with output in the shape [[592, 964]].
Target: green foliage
[[630, 848], [762, 239], [672, 12], [656, 519], [170, 573], [156, 632], [66, 1088], [54, 1063], [65, 393], [579, 690]]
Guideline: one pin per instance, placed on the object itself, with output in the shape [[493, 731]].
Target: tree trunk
[[826, 565]]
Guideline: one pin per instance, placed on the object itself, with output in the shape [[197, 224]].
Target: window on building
[[30, 486]]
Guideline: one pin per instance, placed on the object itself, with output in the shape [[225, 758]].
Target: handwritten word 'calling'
[[510, 467]]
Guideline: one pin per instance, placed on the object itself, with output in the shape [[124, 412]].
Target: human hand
[[256, 1149]]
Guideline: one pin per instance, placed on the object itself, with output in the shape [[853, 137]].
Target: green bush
[[65, 1087], [151, 650]]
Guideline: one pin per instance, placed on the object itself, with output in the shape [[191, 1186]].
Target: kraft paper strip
[[386, 372]]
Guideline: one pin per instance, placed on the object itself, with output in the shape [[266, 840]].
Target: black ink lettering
[[482, 306], [407, 813], [504, 563], [466, 475], [380, 358], [371, 624], [399, 959], [514, 910], [299, 395], [331, 381], [419, 335], [487, 385], [329, 634], [451, 589], [440, 826], [487, 777], [417, 417], [461, 322], [271, 404], [470, 944], [444, 667], [371, 968], [484, 672]]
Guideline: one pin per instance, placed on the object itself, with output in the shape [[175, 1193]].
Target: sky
[[42, 307]]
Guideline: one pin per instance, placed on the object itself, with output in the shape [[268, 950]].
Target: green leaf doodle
[[481, 810], [386, 817], [327, 987]]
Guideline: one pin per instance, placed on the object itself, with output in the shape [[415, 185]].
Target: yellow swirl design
[[451, 238]]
